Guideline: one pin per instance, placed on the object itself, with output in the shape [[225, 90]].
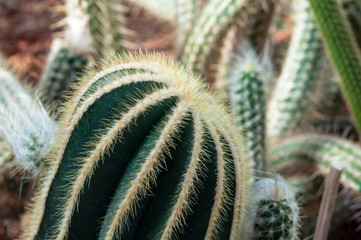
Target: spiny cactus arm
[[290, 97], [106, 23], [341, 46], [112, 136], [272, 211], [248, 83], [63, 68], [25, 124], [321, 150], [209, 29]]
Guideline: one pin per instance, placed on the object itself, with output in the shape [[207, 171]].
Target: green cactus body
[[248, 101], [24, 123], [208, 31], [322, 150], [340, 45], [62, 70], [106, 22], [290, 97], [272, 212], [144, 153], [163, 9]]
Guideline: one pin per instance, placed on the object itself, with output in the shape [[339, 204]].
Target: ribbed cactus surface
[[290, 99], [143, 152]]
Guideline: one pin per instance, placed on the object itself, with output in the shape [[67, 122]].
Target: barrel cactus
[[143, 152]]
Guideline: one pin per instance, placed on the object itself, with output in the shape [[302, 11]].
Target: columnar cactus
[[106, 23], [247, 93], [322, 150], [341, 46], [273, 211], [206, 36], [24, 123], [143, 152], [290, 98]]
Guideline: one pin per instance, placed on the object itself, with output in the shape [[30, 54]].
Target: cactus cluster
[[141, 149]]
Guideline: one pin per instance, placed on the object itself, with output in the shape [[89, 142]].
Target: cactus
[[340, 45], [248, 88], [322, 150], [62, 70], [143, 137], [106, 23], [273, 211], [211, 25], [25, 124], [290, 97]]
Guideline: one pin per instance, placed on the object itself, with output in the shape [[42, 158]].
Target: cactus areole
[[144, 152]]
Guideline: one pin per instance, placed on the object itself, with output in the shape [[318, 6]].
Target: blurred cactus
[[25, 124]]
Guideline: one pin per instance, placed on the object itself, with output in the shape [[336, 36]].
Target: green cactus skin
[[163, 9], [62, 71], [273, 212], [106, 22], [353, 11], [290, 97], [340, 45], [24, 122], [209, 29], [322, 150], [145, 149], [247, 96]]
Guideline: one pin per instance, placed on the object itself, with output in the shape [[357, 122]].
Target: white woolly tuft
[[249, 61], [273, 189], [77, 36], [24, 123]]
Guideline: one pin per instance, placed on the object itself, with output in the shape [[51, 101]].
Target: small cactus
[[248, 84], [273, 211], [143, 152]]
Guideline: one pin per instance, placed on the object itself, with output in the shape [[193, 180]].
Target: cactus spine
[[173, 163], [290, 97], [273, 211], [6, 157], [321, 150], [340, 45], [25, 124]]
